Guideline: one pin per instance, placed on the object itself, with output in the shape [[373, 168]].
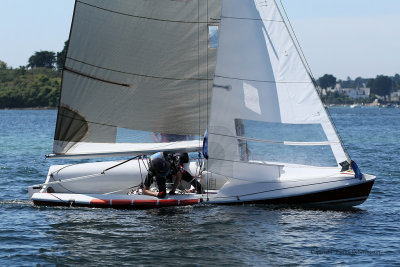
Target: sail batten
[[137, 16], [137, 74], [262, 81], [289, 143]]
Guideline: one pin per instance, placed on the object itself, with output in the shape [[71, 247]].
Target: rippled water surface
[[201, 235]]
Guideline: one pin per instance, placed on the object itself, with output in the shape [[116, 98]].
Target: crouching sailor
[[159, 169], [177, 169]]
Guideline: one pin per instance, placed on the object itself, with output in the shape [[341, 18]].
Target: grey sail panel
[[141, 65]]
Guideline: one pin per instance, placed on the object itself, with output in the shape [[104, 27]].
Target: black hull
[[345, 196]]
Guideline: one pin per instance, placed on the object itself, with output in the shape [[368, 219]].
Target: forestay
[[265, 110], [139, 65]]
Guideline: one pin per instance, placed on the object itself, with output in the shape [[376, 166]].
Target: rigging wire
[[205, 161], [119, 164], [198, 65], [79, 178], [298, 44], [144, 163], [74, 179], [140, 170], [123, 189]]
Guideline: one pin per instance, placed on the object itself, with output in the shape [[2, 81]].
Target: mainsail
[[148, 67], [265, 110], [139, 65]]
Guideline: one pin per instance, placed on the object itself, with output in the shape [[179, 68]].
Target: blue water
[[202, 235]]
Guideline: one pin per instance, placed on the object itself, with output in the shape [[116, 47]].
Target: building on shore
[[353, 93], [395, 96]]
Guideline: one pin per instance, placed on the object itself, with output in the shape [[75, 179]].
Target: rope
[[108, 193], [119, 164], [73, 179], [140, 170], [82, 177]]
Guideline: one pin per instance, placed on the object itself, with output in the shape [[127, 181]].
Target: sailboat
[[222, 80]]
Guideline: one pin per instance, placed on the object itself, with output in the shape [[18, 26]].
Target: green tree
[[396, 80], [359, 82], [381, 85], [42, 59], [61, 56], [3, 65], [326, 81], [22, 88]]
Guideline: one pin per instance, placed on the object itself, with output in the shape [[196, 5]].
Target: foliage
[[61, 56], [42, 59], [396, 81], [36, 85], [336, 98], [381, 85], [341, 99], [356, 83], [22, 88], [326, 81], [3, 65]]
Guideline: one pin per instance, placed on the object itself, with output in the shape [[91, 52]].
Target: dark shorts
[[161, 181], [187, 177]]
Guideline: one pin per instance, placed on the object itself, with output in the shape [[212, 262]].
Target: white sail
[[140, 65], [265, 110]]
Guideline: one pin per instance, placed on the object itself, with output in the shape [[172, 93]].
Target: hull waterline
[[346, 196]]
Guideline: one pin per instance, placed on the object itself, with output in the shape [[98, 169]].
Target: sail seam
[[260, 19], [262, 81], [142, 17], [141, 75], [289, 143], [91, 122], [95, 78]]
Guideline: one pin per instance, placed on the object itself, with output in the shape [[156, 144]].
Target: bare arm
[[147, 191]]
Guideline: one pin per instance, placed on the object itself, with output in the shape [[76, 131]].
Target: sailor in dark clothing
[[159, 169], [177, 161]]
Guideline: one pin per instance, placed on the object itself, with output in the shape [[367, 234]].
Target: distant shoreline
[[328, 106], [31, 108]]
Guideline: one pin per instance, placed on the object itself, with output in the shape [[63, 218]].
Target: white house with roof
[[395, 96], [354, 93]]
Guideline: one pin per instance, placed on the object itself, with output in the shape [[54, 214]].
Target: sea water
[[201, 235]]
